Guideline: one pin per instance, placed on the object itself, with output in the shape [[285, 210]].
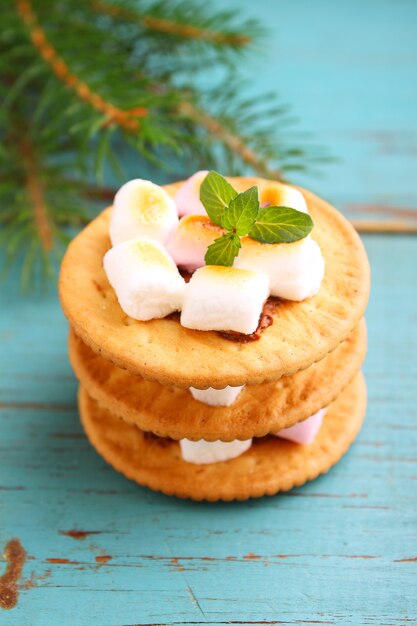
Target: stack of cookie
[[221, 415]]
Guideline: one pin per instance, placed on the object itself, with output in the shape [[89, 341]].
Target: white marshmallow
[[189, 242], [142, 209], [304, 432], [277, 194], [224, 298], [216, 397], [295, 270], [145, 278], [203, 452], [187, 198]]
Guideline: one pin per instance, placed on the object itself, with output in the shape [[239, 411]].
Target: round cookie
[[261, 409], [269, 466], [163, 350]]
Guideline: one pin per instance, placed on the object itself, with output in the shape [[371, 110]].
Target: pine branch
[[111, 79], [114, 115], [35, 193], [235, 143], [126, 119], [168, 27]]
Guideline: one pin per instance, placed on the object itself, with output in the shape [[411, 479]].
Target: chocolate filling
[[266, 318], [185, 274], [163, 442]]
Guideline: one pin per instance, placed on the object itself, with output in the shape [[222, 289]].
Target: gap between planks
[[388, 227]]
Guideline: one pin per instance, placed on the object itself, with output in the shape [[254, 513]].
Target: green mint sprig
[[240, 214]]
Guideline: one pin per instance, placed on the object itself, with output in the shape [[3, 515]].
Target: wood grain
[[340, 550]]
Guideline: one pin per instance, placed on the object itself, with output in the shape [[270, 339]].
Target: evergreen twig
[[126, 119], [233, 142], [161, 25], [35, 194], [85, 82]]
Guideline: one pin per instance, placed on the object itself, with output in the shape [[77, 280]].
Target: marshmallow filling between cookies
[[150, 244], [216, 397], [205, 452]]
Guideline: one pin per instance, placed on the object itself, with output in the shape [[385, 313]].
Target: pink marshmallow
[[189, 242], [304, 432], [187, 197]]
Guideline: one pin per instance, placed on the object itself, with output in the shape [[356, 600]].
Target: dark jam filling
[[185, 274], [265, 320], [163, 442]]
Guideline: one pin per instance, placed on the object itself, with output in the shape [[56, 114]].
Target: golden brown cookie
[[269, 466], [259, 410], [163, 350]]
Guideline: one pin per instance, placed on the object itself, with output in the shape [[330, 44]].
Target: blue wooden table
[[340, 550]]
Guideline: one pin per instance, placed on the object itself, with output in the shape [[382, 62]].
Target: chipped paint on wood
[[79, 534], [103, 558], [15, 556]]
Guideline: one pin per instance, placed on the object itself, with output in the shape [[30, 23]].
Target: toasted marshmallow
[[277, 194], [224, 298], [145, 278], [189, 242], [304, 432], [187, 198], [203, 452], [216, 397], [142, 209], [295, 270]]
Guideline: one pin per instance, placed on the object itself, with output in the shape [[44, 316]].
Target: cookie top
[[165, 351], [269, 466], [261, 409]]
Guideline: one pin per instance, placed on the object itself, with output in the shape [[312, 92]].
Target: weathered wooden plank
[[349, 73], [340, 550]]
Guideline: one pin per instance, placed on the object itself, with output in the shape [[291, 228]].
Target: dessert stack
[[217, 335]]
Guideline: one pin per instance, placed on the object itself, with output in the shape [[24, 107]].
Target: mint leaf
[[223, 250], [280, 224], [242, 212], [216, 194]]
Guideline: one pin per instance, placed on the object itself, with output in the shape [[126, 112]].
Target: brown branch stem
[[126, 119], [232, 141], [36, 194], [188, 31]]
